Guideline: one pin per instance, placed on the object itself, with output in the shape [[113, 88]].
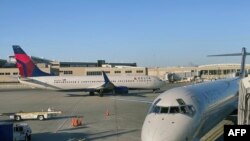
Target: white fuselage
[[91, 82], [205, 105]]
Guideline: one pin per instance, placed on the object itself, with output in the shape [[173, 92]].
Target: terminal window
[[205, 72], [139, 71], [94, 73], [68, 72], [212, 72], [128, 71], [15, 73], [117, 71]]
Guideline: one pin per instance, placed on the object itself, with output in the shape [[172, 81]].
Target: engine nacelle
[[121, 90]]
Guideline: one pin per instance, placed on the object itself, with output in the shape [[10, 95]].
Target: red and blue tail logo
[[25, 65]]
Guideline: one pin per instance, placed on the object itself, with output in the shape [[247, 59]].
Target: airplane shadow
[[126, 95], [68, 136], [60, 117], [75, 128], [77, 95], [7, 120], [134, 94]]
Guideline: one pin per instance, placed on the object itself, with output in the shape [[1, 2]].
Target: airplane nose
[[157, 135], [146, 133], [163, 135], [155, 129]]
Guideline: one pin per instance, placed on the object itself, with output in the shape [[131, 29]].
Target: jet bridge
[[244, 102]]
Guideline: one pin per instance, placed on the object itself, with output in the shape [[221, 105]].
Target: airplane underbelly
[[33, 84]]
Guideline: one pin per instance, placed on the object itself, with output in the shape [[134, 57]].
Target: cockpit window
[[185, 109], [174, 110], [164, 109], [153, 107], [182, 108], [157, 101], [188, 110], [181, 101], [191, 108], [156, 109]]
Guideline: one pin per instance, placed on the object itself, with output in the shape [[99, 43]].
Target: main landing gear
[[100, 93], [91, 93]]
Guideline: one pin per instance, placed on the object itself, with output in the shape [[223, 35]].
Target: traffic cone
[[74, 122]]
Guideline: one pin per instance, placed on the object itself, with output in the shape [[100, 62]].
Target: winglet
[[106, 79]]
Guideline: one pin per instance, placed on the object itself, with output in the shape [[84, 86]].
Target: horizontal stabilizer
[[233, 54], [243, 54]]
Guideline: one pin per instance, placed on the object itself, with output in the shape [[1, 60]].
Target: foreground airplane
[[31, 75], [188, 113]]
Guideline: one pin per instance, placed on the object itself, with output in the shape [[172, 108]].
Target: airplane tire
[[101, 94], [40, 117], [29, 137], [17, 118], [26, 138], [155, 90], [91, 93]]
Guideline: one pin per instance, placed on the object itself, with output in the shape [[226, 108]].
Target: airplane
[[31, 75], [188, 113]]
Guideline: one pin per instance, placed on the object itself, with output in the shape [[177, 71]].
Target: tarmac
[[109, 118], [104, 118]]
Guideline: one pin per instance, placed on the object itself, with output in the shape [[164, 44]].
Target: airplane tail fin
[[26, 66], [243, 54]]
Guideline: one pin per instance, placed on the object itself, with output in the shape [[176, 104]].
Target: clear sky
[[153, 33]]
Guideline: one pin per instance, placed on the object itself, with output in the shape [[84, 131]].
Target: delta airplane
[[188, 113], [31, 75]]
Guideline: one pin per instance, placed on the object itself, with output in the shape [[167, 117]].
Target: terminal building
[[9, 72], [209, 72]]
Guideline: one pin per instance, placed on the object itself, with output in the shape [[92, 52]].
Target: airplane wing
[[96, 87], [101, 87], [107, 86]]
